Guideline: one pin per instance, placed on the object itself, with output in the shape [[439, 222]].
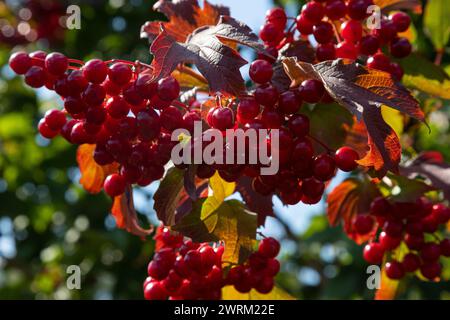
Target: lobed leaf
[[363, 92], [220, 189]]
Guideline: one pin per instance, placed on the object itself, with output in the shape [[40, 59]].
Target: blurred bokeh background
[[48, 222]]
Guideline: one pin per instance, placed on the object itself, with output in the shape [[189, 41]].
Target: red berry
[[265, 286], [38, 58], [45, 130], [431, 270], [117, 107], [271, 34], [441, 213], [363, 224], [168, 89], [430, 251], [388, 242], [288, 103], [335, 9], [313, 188], [396, 71], [400, 48], [357, 9], [277, 16], [311, 90], [299, 125], [155, 291], [55, 119], [414, 241], [272, 267], [95, 71], [346, 158], [145, 87], [120, 73], [20, 62], [373, 253], [35, 77], [411, 262], [313, 11], [304, 26], [114, 185], [271, 118], [387, 31], [394, 270], [149, 124], [393, 228], [56, 63], [193, 260], [369, 45], [223, 118], [266, 95], [401, 21], [269, 248], [323, 32], [261, 71], [351, 30], [324, 167], [379, 61], [346, 50], [326, 51], [94, 94], [247, 110]]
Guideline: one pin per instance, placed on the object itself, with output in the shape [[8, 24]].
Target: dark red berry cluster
[[259, 271], [114, 106], [412, 223], [339, 29], [184, 270]]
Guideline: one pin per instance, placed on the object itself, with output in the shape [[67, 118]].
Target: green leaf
[[437, 22], [410, 189], [229, 293], [231, 223]]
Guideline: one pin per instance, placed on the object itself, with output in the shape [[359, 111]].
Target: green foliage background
[[55, 223]]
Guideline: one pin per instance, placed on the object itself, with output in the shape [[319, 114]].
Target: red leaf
[[348, 199], [184, 17], [363, 91], [262, 205], [207, 48], [92, 174], [125, 215]]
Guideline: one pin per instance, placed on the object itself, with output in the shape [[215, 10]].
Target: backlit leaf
[[391, 5], [125, 215], [437, 23], [220, 189], [92, 174], [231, 223], [229, 293], [363, 91]]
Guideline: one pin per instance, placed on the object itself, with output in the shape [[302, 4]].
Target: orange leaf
[[92, 174], [125, 215], [390, 5], [388, 287], [184, 17], [348, 199]]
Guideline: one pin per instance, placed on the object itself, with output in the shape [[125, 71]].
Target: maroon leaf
[[207, 48], [363, 91], [184, 17], [262, 205]]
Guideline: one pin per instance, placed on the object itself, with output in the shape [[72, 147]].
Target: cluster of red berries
[[260, 269], [183, 270], [414, 224], [337, 27], [113, 105]]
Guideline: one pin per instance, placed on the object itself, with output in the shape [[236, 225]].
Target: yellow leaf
[[432, 87], [188, 78], [229, 293], [220, 189], [393, 118], [92, 174], [388, 288]]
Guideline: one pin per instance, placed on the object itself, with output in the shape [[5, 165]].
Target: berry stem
[[76, 61], [336, 32]]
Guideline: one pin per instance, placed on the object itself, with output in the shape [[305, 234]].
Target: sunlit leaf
[[229, 293]]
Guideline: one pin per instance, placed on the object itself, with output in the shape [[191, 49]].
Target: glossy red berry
[[311, 90], [387, 31], [35, 77], [155, 291], [117, 107], [304, 26], [45, 130], [266, 95], [114, 185], [271, 34], [288, 103], [352, 30], [95, 71], [411, 262], [363, 224], [55, 119], [431, 270], [357, 9], [369, 45], [269, 248], [335, 9], [379, 61], [400, 48], [223, 118], [326, 51], [445, 247], [313, 11], [346, 158], [323, 32], [20, 62], [56, 63], [347, 50], [149, 124], [324, 167], [277, 16], [373, 253], [401, 21], [94, 94], [145, 87], [388, 242], [168, 89], [261, 71], [299, 125], [430, 251], [247, 110], [120, 73], [394, 270]]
